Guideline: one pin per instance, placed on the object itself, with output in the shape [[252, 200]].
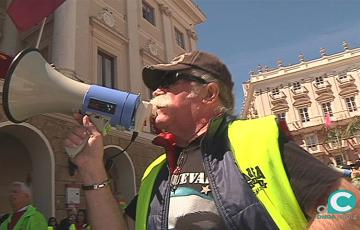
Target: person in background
[[25, 215], [218, 172], [68, 220], [52, 223], [72, 220], [81, 221]]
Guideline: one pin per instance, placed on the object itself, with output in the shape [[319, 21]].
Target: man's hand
[[90, 159], [103, 210]]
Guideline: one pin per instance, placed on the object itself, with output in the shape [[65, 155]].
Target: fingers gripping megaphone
[[32, 87]]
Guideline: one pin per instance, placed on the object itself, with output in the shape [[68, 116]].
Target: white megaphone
[[32, 87]]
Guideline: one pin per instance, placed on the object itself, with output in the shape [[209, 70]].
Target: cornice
[[349, 55], [188, 7]]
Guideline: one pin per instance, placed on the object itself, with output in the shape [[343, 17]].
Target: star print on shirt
[[205, 189]]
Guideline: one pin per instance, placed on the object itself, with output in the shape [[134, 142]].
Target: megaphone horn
[[33, 87]]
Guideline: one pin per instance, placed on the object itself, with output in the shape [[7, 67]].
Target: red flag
[[27, 13], [327, 120], [284, 127], [5, 61]]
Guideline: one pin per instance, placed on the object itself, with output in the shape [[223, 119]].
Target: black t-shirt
[[191, 202], [311, 180]]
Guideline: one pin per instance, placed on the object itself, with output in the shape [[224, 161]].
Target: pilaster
[[134, 47], [166, 15]]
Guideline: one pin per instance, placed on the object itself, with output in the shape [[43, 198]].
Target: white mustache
[[160, 101]]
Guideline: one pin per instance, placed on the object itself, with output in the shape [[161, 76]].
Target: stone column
[[168, 31], [134, 47], [83, 57], [70, 51]]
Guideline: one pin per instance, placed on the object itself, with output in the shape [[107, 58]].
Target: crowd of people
[[75, 220], [25, 215]]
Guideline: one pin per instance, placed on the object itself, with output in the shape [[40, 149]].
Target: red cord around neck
[[168, 142]]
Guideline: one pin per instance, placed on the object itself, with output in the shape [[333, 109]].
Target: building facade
[[319, 99], [103, 42]]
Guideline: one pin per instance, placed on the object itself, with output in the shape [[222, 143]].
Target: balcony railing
[[322, 87], [336, 144], [313, 148], [333, 147], [278, 96], [297, 93], [348, 144], [345, 81]]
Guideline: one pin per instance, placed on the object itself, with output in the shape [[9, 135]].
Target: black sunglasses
[[171, 78]]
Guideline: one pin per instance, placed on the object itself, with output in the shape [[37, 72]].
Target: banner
[[27, 13]]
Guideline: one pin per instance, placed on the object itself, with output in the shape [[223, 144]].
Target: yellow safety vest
[[73, 227], [251, 154]]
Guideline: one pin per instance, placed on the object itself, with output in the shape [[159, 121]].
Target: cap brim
[[153, 75]]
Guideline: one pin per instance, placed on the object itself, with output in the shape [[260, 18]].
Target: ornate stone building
[[319, 99], [104, 42]]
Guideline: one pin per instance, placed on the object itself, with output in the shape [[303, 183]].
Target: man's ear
[[212, 92]]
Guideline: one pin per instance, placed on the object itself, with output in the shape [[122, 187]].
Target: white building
[[304, 93]]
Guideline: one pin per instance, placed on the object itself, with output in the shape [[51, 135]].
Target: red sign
[[27, 13]]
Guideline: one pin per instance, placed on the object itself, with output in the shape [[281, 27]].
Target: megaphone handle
[[72, 152], [101, 123]]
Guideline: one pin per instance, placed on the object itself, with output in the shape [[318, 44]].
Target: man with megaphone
[[219, 172]]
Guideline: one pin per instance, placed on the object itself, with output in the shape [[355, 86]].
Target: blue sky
[[245, 33]]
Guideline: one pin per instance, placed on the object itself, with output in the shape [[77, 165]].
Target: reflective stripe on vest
[[259, 159], [256, 148], [73, 227]]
